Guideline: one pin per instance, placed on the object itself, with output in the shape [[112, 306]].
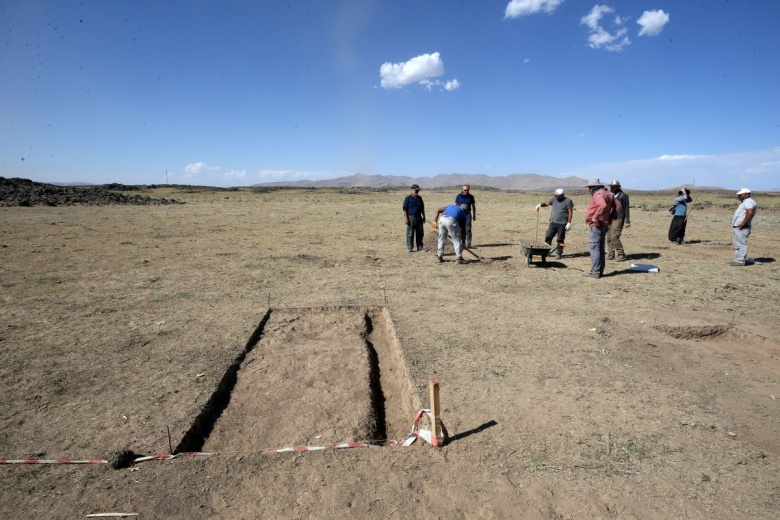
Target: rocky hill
[[24, 192]]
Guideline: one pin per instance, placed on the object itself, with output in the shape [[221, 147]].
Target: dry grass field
[[639, 395]]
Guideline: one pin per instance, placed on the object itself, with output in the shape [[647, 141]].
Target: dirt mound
[[24, 192]]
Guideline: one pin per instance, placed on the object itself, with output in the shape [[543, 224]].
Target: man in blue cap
[[414, 215]]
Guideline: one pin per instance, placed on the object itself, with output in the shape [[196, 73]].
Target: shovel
[[479, 258]]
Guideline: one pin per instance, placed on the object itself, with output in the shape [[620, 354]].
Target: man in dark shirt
[[614, 244], [467, 203], [560, 219], [414, 215]]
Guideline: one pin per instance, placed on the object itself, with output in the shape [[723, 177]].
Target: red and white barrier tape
[[98, 461], [40, 461], [322, 448], [173, 456], [426, 435]]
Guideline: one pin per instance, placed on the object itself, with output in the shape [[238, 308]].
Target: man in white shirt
[[741, 224]]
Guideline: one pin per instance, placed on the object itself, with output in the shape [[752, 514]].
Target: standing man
[[466, 201], [414, 215], [602, 208], [453, 223], [741, 224], [679, 216], [560, 219], [614, 245]]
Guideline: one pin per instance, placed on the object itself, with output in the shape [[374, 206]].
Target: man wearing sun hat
[[560, 219], [414, 215], [602, 210], [741, 224]]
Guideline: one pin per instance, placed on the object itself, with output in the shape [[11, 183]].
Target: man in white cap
[[741, 224], [602, 209], [560, 219]]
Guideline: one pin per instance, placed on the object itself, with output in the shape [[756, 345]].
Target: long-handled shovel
[[536, 237], [479, 258]]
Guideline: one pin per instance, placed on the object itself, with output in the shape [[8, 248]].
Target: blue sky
[[654, 93]]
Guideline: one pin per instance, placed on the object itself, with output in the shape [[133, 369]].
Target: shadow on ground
[[472, 431], [643, 256], [491, 245]]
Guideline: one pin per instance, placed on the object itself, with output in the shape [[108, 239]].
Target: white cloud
[[297, 175], [194, 169], [652, 22], [768, 167], [445, 85], [417, 70], [235, 174], [601, 37], [452, 85], [758, 169], [669, 157], [517, 8]]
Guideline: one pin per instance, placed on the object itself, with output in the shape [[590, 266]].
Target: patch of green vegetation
[[46, 280]]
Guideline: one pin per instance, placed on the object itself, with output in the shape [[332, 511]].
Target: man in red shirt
[[602, 209]]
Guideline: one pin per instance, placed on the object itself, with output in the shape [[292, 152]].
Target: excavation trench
[[310, 376]]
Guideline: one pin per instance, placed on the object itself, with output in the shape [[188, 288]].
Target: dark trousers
[[414, 231], [556, 229], [677, 229]]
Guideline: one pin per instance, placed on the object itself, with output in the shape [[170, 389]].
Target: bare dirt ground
[[638, 395]]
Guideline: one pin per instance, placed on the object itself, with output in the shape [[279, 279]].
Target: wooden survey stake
[[435, 408]]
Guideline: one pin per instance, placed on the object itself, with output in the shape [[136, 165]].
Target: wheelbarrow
[[532, 248]]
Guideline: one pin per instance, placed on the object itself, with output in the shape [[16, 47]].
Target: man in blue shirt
[[414, 215], [453, 223], [466, 201], [680, 216]]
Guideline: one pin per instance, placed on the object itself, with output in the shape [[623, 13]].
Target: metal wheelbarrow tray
[[532, 248]]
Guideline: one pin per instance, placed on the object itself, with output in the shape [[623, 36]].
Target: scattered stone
[[122, 459]]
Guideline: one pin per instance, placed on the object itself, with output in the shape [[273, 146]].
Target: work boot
[[439, 259], [558, 256], [422, 249], [620, 258], [593, 275], [611, 256], [461, 261]]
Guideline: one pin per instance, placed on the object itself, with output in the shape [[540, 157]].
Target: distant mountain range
[[524, 181]]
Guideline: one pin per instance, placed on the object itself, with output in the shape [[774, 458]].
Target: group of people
[[453, 220], [607, 214]]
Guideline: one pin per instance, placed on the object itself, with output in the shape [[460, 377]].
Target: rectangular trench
[[310, 376]]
